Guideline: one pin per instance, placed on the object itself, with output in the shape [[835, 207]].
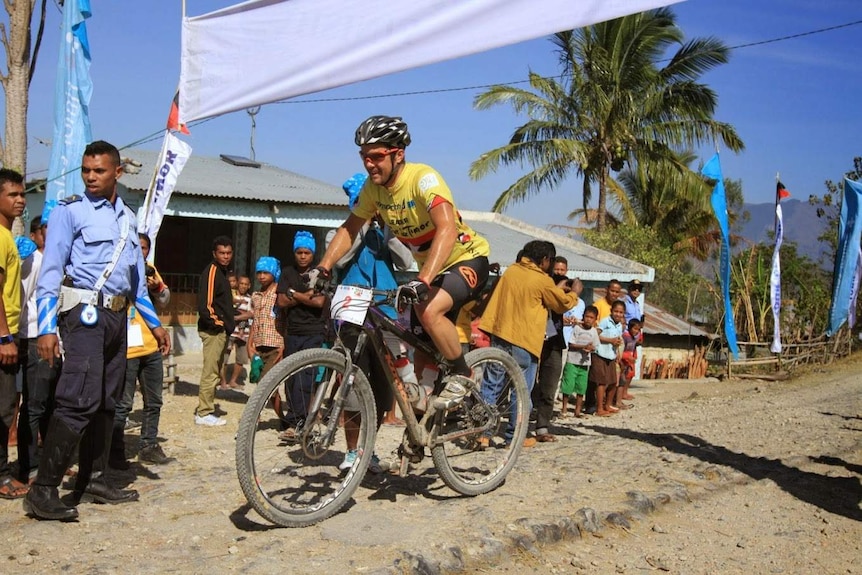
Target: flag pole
[[777, 200]]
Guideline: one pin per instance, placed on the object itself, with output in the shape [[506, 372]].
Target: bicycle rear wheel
[[477, 443], [297, 482]]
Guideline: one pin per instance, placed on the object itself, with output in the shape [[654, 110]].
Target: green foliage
[[677, 204], [677, 288], [805, 294], [618, 101]]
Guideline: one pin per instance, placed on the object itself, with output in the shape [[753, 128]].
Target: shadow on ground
[[188, 389], [838, 495]]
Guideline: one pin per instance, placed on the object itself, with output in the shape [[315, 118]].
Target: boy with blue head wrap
[[370, 263], [270, 265], [266, 337]]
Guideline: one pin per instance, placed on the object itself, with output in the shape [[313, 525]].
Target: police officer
[[92, 271]]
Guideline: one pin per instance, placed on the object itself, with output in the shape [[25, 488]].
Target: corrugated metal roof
[[661, 322], [507, 236], [215, 178]]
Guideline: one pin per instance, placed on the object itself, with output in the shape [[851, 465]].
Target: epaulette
[[71, 199]]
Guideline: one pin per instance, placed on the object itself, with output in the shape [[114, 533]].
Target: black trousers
[[94, 369]]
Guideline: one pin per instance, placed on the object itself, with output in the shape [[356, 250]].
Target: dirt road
[[699, 477]]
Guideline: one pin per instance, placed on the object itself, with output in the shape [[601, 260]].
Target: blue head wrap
[[269, 265], [352, 187], [25, 246], [304, 239], [46, 210]]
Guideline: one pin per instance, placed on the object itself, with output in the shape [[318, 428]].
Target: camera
[[151, 271]]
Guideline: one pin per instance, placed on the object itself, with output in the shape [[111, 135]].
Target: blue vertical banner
[[712, 170], [72, 93], [847, 256]]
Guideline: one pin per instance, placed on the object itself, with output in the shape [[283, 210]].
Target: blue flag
[[849, 233], [712, 170], [73, 89]]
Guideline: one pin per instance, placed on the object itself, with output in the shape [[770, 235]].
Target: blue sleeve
[[145, 307], [143, 303], [58, 248]]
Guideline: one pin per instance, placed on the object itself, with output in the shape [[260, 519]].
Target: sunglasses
[[376, 157]]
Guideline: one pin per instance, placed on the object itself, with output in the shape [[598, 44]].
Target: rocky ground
[[699, 477]]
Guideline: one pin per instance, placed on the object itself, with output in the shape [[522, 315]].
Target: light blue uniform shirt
[[82, 235], [633, 309]]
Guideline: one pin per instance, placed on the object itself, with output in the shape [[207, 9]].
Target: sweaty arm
[[445, 235], [342, 242]]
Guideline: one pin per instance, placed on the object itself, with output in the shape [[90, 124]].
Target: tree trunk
[[16, 84], [602, 210]]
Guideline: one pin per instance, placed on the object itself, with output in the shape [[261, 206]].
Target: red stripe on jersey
[[436, 201]]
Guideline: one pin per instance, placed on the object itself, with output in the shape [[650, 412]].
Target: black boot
[[92, 484], [43, 500]]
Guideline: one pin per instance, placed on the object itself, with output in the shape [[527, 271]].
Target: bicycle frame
[[371, 332]]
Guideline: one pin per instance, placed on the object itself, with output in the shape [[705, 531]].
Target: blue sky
[[795, 103]]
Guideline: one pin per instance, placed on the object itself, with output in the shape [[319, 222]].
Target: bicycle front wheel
[[478, 442], [301, 480]]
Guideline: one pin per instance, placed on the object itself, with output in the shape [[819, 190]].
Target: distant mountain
[[801, 226]]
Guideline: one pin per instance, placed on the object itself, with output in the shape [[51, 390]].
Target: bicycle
[[296, 483]]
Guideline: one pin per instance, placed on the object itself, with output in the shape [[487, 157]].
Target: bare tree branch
[[4, 39], [38, 43]]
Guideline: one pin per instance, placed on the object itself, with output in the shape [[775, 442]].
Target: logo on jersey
[[469, 275], [428, 181], [395, 207]]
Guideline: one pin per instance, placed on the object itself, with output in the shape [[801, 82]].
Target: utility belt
[[70, 297]]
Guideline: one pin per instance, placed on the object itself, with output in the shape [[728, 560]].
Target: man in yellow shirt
[[12, 204], [517, 317], [612, 294], [143, 362], [414, 201]]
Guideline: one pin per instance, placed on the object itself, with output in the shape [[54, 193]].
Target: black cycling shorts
[[463, 281]]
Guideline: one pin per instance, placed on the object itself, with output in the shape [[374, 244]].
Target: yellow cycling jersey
[[406, 208]]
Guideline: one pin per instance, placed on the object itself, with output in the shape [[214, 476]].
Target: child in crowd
[[236, 353], [582, 343], [632, 338], [265, 337], [606, 359]]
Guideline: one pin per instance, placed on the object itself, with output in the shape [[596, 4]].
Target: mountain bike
[[297, 482]]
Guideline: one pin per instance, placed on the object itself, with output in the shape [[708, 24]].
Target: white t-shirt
[[582, 336]]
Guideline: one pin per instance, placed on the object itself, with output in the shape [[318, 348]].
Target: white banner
[[264, 51], [854, 294], [175, 153], [775, 281]]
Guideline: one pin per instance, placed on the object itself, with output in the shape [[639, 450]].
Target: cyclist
[[417, 205]]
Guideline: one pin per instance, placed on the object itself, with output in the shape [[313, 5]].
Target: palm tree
[[612, 105]]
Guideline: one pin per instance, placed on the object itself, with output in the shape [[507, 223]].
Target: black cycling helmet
[[387, 130]]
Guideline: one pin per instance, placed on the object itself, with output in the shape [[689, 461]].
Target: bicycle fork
[[316, 443]]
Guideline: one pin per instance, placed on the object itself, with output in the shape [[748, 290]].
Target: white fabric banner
[[775, 281], [854, 294], [175, 153], [264, 51]]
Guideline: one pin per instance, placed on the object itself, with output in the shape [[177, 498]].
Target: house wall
[[669, 347]]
